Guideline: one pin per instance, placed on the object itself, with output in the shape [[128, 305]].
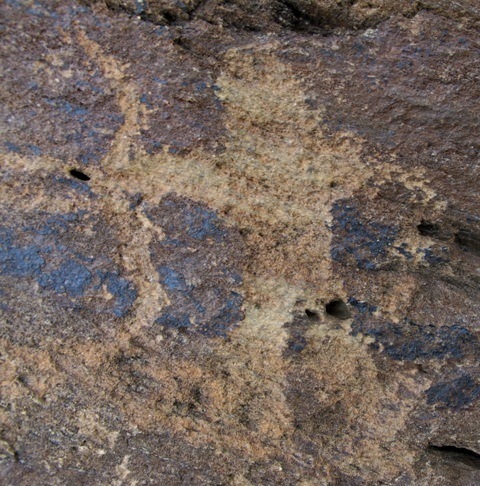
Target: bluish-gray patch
[[173, 242], [402, 249], [70, 278], [196, 264], [175, 321], [64, 106], [296, 342], [161, 30], [40, 10], [454, 394], [173, 280], [16, 260], [201, 86], [139, 7], [144, 99], [57, 223], [154, 147], [12, 147], [198, 222], [202, 223], [410, 341], [433, 257], [364, 242], [60, 266], [34, 150], [135, 200], [228, 315], [123, 291]]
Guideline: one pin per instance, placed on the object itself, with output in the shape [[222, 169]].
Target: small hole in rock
[[79, 175], [311, 314], [457, 454], [337, 308], [425, 228], [333, 184]]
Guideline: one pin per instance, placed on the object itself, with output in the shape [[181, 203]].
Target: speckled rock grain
[[164, 319]]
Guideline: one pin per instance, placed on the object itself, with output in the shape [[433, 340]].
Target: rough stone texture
[[240, 242]]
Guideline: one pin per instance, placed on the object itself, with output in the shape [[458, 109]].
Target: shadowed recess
[[312, 315], [426, 228], [337, 308], [79, 175], [457, 454]]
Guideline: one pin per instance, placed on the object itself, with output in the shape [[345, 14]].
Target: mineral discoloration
[[458, 393], [409, 341], [67, 256], [168, 319], [199, 265], [366, 243]]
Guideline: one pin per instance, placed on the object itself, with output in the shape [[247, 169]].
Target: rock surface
[[240, 242]]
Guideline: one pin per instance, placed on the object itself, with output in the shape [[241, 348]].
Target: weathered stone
[[240, 242]]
